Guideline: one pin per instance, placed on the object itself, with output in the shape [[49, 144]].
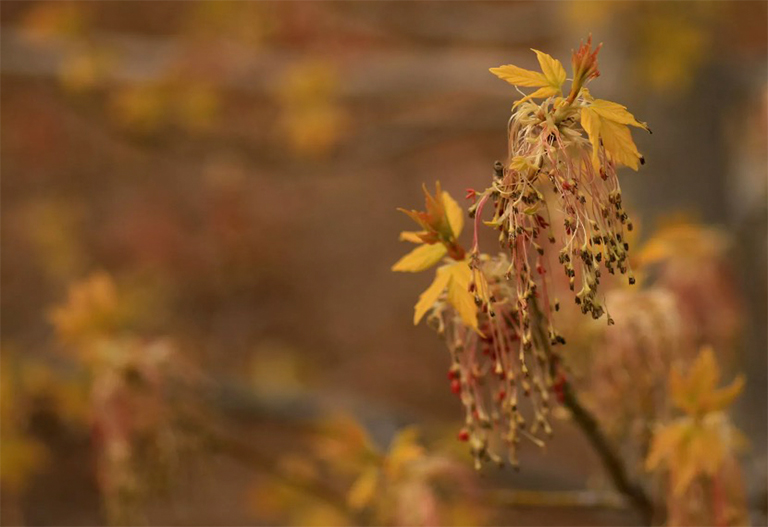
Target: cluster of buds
[[496, 313], [501, 373], [548, 148]]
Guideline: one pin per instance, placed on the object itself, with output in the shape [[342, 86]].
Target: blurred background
[[210, 188]]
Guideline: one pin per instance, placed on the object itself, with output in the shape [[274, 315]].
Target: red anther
[[566, 186], [541, 221], [540, 269], [452, 375], [471, 194], [500, 396], [463, 435], [456, 386]]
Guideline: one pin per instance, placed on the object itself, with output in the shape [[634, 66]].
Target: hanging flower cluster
[[496, 312]]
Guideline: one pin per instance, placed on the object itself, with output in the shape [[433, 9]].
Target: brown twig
[[549, 498], [635, 493], [244, 452]]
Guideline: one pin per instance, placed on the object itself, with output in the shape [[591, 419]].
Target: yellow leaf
[[403, 451], [590, 121], [363, 489], [665, 443], [688, 391], [455, 214], [552, 68], [618, 143], [546, 91], [615, 112], [519, 76], [696, 392], [430, 296], [421, 258], [459, 296], [722, 398], [411, 236]]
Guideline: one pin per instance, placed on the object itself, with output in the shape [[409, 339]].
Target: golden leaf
[[455, 214], [696, 392], [519, 76], [590, 121], [615, 112], [363, 489], [411, 236], [421, 258], [722, 398], [430, 296], [618, 143], [665, 442], [546, 91], [552, 68], [404, 450], [459, 296]]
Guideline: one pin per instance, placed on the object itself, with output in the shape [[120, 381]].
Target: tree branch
[[633, 491]]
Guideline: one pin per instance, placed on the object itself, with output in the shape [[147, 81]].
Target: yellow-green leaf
[[615, 112], [421, 258], [428, 298], [519, 76], [553, 70], [455, 214]]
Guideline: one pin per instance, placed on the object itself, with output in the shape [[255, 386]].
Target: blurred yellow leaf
[[197, 105], [699, 443], [91, 309], [403, 451], [696, 393], [45, 20], [363, 489], [139, 108]]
